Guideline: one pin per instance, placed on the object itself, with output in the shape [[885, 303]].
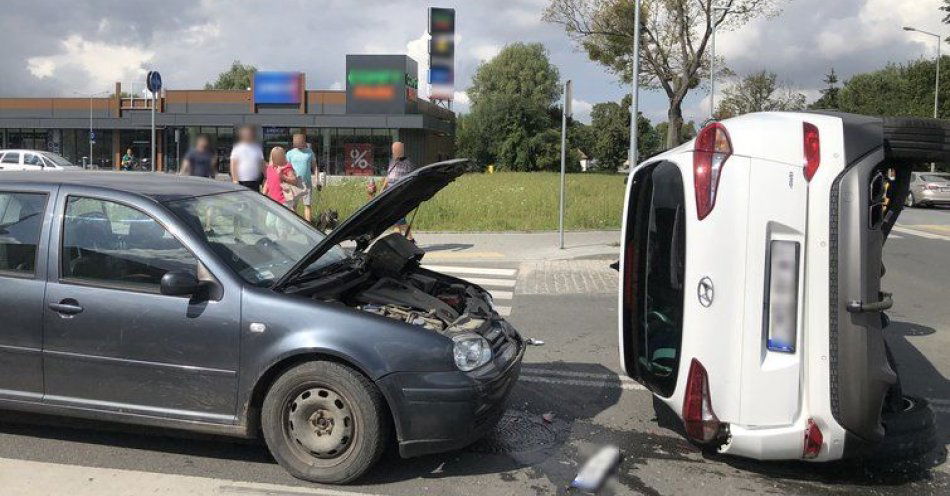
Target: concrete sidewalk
[[519, 246]]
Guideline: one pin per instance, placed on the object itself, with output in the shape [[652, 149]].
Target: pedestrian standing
[[304, 162], [247, 160], [277, 174], [200, 160], [128, 160], [399, 167]]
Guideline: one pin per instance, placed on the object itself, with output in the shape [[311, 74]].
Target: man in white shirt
[[247, 160]]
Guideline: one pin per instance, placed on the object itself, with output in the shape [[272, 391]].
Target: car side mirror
[[179, 283]]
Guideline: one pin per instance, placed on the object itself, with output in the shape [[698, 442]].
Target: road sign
[[153, 81], [92, 136], [568, 100]]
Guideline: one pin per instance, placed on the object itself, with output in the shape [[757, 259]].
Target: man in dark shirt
[[199, 161]]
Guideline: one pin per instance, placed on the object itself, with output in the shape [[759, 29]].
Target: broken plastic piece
[[533, 342], [548, 417], [596, 470]]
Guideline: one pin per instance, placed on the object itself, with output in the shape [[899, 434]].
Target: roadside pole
[[634, 92], [153, 81], [564, 115]]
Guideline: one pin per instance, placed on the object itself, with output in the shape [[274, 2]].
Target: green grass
[[504, 201]]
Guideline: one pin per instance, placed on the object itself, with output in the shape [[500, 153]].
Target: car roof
[[159, 186], [21, 150]]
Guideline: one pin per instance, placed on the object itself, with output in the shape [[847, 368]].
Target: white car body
[[765, 398], [33, 160]]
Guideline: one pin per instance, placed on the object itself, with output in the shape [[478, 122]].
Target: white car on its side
[[750, 290], [33, 160]]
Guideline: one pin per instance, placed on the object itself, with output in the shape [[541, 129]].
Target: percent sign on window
[[358, 158]]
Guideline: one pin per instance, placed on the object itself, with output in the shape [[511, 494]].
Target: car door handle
[[66, 307], [885, 303]]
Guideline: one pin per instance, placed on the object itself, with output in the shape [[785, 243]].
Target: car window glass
[[116, 245], [935, 178], [21, 221], [11, 158], [32, 159]]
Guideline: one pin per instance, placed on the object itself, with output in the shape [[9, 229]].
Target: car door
[[10, 161], [112, 341], [24, 231]]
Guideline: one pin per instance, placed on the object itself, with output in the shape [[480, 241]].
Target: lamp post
[[635, 90], [91, 140], [933, 166], [712, 61]]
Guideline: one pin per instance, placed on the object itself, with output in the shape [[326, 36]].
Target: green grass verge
[[504, 201]]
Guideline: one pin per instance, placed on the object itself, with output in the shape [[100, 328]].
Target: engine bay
[[387, 280]]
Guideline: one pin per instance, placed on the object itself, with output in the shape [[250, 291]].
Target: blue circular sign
[[153, 81]]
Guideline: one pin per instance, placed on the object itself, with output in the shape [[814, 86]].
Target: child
[[278, 173]]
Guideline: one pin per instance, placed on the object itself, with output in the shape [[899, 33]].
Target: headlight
[[471, 351]]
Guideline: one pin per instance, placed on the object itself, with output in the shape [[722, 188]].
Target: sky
[[81, 47]]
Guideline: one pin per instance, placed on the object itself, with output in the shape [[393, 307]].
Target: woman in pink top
[[278, 172]]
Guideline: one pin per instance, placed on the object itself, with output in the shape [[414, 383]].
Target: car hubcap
[[319, 421]]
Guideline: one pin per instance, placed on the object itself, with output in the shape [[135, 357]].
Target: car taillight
[[812, 146], [813, 440], [713, 148], [698, 416]]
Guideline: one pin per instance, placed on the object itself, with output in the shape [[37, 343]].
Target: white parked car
[[33, 160], [751, 300]]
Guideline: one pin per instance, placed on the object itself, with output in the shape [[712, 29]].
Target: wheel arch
[[252, 409]]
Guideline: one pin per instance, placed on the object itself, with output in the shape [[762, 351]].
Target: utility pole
[[635, 91], [933, 166], [564, 115]]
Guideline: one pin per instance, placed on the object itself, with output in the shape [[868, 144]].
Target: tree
[[674, 38], [897, 90], [687, 130], [829, 95], [512, 111], [758, 92], [610, 126], [946, 18], [238, 77]]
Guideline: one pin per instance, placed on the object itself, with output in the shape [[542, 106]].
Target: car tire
[[917, 139], [346, 428], [910, 202], [909, 434]]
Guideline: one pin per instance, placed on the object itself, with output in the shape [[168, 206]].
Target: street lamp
[[937, 82], [635, 90], [90, 118], [712, 62]]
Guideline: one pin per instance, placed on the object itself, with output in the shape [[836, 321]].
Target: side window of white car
[[11, 158], [32, 160]]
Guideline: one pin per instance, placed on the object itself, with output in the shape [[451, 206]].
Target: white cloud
[[336, 86], [462, 98], [581, 109], [102, 63], [418, 50]]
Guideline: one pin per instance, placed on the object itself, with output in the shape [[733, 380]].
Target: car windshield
[[258, 238], [935, 178], [56, 159]]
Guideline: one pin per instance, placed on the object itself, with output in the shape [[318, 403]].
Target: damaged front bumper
[[435, 412]]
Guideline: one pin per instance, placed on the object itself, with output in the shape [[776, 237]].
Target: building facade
[[349, 130]]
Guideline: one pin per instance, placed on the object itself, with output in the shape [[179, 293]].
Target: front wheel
[[909, 201], [324, 422], [909, 433]]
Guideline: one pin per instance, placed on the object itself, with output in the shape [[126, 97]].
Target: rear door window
[[32, 160], [21, 222], [660, 245], [11, 158]]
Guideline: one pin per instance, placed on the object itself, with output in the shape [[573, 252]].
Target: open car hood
[[382, 212]]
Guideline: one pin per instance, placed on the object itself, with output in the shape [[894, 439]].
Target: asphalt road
[[574, 377]]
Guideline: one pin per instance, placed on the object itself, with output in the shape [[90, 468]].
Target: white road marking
[[488, 271], [502, 295], [495, 283], [76, 480], [895, 236], [922, 234], [503, 311], [573, 382], [529, 369]]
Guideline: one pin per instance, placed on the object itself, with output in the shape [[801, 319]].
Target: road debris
[[533, 342], [592, 475], [548, 417]]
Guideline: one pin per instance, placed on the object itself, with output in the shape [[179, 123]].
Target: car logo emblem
[[705, 292]]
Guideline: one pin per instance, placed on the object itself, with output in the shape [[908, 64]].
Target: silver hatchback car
[[928, 189]]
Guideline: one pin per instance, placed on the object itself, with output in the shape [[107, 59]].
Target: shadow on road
[[446, 247]]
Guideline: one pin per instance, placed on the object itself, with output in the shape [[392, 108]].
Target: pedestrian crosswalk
[[498, 281]]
